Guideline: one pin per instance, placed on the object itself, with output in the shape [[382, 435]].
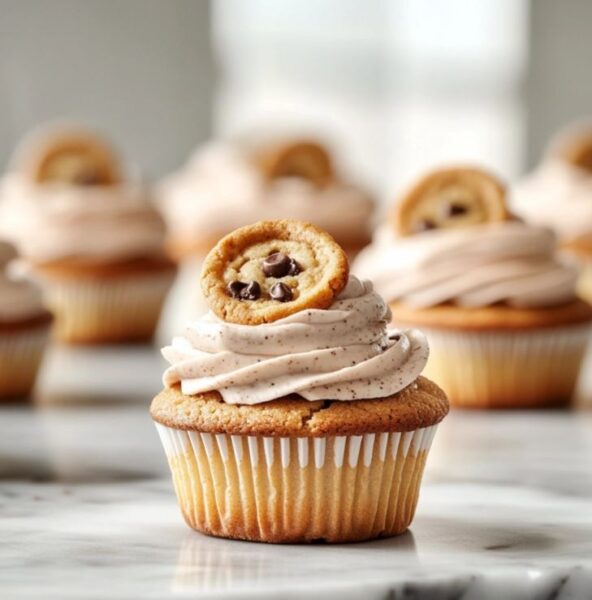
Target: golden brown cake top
[[421, 404], [493, 318]]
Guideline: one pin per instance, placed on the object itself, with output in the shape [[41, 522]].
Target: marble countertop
[[87, 509]]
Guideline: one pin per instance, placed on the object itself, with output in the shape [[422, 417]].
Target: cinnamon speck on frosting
[[342, 353]]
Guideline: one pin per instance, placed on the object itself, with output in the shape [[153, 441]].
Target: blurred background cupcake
[[499, 307], [226, 185], [89, 234], [558, 194], [24, 329]]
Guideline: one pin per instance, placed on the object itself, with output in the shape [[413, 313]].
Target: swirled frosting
[[221, 190], [557, 195], [479, 266], [343, 353], [53, 221], [19, 298]]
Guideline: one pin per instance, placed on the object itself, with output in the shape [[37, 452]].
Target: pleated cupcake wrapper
[[21, 353], [518, 369], [108, 309], [342, 488]]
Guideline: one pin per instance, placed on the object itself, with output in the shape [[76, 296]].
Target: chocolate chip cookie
[[272, 269], [73, 157], [304, 159], [451, 198]]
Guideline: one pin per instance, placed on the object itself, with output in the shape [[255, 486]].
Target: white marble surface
[[87, 509]]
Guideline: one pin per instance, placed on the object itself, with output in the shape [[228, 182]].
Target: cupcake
[[227, 185], [88, 235], [290, 412], [24, 329], [498, 306], [558, 194]]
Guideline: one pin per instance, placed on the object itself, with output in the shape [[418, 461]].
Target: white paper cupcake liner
[[282, 489], [517, 369], [113, 309], [21, 353]]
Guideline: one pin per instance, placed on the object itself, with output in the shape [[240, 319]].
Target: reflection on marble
[[87, 509]]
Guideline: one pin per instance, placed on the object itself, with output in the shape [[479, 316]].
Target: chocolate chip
[[235, 288], [280, 291], [276, 265], [295, 268], [425, 225], [87, 177], [244, 291], [251, 292], [456, 210]]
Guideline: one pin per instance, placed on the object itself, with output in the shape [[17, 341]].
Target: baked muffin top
[[420, 404]]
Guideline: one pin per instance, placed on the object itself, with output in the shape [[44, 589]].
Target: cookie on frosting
[[304, 159], [272, 269], [451, 198], [75, 157]]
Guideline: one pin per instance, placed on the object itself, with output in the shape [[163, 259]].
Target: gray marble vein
[[87, 509]]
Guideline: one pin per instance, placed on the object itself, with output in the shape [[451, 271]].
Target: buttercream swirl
[[557, 195], [221, 190], [343, 353], [19, 298], [53, 221], [478, 266]]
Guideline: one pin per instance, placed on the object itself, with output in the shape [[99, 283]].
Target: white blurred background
[[397, 85]]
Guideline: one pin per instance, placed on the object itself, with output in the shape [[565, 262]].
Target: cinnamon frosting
[[53, 221], [557, 195], [477, 266], [19, 298], [343, 353], [220, 190]]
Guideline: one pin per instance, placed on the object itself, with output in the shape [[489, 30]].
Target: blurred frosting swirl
[[477, 266], [53, 221], [557, 195], [220, 190], [19, 298], [343, 353]]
